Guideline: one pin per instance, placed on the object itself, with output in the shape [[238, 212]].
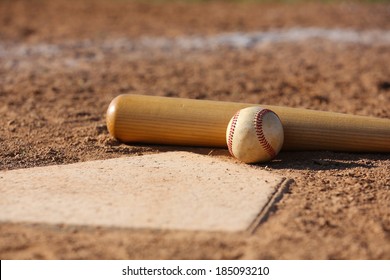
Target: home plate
[[173, 190]]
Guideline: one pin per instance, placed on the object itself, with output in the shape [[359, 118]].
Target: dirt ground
[[58, 73]]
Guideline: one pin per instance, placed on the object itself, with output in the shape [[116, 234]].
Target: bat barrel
[[178, 121]]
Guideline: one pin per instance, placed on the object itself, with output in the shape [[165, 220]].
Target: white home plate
[[175, 190]]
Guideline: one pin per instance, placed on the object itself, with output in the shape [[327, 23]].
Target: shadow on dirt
[[297, 160], [324, 160]]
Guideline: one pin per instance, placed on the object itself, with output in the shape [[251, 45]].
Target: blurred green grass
[[241, 1], [265, 1]]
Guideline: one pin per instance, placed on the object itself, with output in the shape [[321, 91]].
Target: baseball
[[254, 134]]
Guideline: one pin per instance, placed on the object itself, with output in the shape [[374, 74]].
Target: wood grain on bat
[[179, 121]]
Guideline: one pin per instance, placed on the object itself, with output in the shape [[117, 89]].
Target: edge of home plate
[[172, 190]]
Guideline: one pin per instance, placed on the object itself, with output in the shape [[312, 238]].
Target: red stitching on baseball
[[231, 133], [258, 122]]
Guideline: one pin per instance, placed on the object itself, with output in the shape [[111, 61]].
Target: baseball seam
[[258, 122], [231, 133]]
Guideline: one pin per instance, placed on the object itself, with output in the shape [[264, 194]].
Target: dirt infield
[[61, 62]]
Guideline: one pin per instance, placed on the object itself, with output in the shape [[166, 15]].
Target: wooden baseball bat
[[180, 121]]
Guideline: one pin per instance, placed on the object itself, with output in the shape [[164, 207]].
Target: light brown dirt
[[53, 113]]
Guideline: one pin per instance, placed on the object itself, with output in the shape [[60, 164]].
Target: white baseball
[[254, 134]]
